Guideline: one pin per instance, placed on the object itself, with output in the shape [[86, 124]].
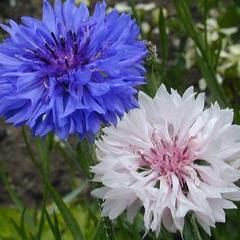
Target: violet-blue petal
[[70, 72]]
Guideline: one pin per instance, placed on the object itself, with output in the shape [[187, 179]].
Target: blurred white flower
[[13, 3], [155, 18], [155, 15], [170, 157], [58, 141], [203, 84], [87, 2], [146, 6], [214, 30], [190, 53], [219, 78], [230, 58], [213, 35], [123, 7], [214, 13], [145, 27], [176, 42], [228, 31], [156, 30]]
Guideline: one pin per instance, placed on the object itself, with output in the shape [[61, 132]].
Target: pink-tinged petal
[[132, 210], [170, 157], [100, 192]]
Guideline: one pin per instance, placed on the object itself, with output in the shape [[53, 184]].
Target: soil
[[22, 173]]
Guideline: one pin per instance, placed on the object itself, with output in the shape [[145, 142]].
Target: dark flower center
[[60, 54]]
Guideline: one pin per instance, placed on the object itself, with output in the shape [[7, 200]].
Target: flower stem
[[191, 231], [29, 149], [106, 222], [194, 226]]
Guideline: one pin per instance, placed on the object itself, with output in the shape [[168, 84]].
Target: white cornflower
[[170, 157]]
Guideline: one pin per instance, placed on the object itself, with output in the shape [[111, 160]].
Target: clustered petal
[[71, 71], [171, 157]]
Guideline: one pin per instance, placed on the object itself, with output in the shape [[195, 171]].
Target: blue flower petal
[[70, 72]]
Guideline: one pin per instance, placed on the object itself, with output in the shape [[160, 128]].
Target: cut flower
[[170, 157], [70, 72]]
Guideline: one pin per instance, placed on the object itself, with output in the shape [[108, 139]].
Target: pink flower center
[[167, 157]]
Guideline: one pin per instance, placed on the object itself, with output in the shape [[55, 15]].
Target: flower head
[[70, 72], [170, 157]]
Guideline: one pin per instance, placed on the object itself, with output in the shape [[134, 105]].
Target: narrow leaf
[[65, 212], [207, 67], [163, 37]]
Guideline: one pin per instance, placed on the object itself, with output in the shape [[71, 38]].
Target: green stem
[[195, 230], [191, 231], [29, 149], [136, 16], [43, 169], [87, 153], [206, 27], [107, 223], [43, 165]]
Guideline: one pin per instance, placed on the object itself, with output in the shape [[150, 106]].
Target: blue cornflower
[[70, 72]]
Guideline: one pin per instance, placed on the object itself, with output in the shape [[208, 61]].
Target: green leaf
[[206, 65], [65, 212], [86, 156], [43, 169], [41, 224], [50, 224], [29, 148], [56, 226], [43, 153], [135, 13], [11, 191], [163, 37], [21, 229], [50, 141], [14, 196], [99, 233], [8, 230], [191, 231], [71, 155]]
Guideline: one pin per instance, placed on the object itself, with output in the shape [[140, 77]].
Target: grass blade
[[208, 68], [21, 229], [56, 226], [86, 156], [135, 14], [65, 212], [51, 225], [163, 37], [15, 197], [11, 191]]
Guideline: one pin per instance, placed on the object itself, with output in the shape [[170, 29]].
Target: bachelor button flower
[[70, 72], [170, 157]]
